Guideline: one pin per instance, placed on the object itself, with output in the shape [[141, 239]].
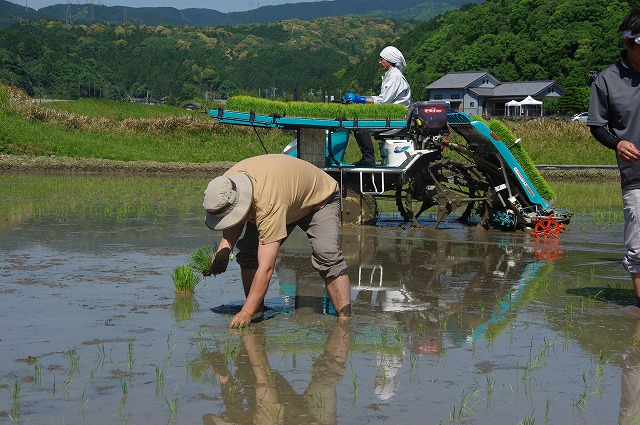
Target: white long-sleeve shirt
[[395, 88]]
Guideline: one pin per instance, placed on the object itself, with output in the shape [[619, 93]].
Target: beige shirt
[[285, 190]]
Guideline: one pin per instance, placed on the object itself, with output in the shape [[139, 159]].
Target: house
[[481, 93], [192, 106]]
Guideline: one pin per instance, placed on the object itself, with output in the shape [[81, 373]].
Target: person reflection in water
[[270, 399], [630, 400]]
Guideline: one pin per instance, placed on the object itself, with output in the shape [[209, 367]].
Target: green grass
[[181, 145], [99, 129]]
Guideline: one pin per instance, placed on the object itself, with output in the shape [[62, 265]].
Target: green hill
[[87, 13], [516, 40]]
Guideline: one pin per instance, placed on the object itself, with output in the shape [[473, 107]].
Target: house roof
[[514, 90], [511, 89], [522, 88], [458, 80]]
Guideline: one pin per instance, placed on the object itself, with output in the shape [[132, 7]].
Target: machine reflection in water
[[438, 291]]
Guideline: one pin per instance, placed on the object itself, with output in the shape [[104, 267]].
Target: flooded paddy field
[[456, 325]]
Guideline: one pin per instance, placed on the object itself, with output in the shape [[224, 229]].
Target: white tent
[[515, 105], [530, 106]]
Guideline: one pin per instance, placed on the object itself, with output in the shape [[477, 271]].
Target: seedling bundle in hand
[[186, 277], [201, 260]]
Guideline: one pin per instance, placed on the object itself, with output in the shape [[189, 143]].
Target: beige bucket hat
[[227, 200]]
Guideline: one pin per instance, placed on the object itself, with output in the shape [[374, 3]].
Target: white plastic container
[[393, 151]]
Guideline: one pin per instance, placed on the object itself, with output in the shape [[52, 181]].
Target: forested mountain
[[89, 13], [56, 59], [516, 40]]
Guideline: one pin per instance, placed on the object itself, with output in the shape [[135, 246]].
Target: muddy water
[[449, 326]]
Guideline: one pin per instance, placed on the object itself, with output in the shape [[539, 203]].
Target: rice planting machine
[[422, 169]]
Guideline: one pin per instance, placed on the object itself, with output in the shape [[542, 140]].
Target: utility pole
[[68, 17]]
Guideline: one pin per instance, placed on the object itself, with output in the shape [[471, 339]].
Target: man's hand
[[353, 98], [240, 320], [219, 262], [628, 151]]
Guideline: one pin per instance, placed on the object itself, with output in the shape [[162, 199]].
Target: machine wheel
[[458, 184], [359, 209], [405, 200], [547, 227]]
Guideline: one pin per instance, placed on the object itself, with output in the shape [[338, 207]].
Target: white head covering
[[394, 56], [629, 34]]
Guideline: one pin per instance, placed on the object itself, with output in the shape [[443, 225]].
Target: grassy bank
[[113, 130]]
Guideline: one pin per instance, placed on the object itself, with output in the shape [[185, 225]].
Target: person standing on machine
[[395, 89]]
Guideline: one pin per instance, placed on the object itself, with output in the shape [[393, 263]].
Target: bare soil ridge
[[56, 164]]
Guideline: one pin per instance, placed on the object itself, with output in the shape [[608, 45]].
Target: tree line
[[567, 41], [516, 40]]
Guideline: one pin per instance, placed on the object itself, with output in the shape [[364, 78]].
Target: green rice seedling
[[491, 383], [414, 366], [184, 279], [442, 321], [170, 353], [101, 353], [315, 109], [125, 392], [130, 359], [523, 159], [37, 374], [74, 363], [63, 388], [15, 402], [201, 259], [546, 410], [159, 377], [173, 405], [354, 381], [462, 412], [84, 398], [529, 420], [318, 400]]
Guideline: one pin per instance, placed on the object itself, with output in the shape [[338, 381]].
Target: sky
[[219, 5]]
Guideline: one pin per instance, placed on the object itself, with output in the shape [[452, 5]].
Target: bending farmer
[[395, 89], [268, 196]]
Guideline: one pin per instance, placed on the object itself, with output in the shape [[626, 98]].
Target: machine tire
[[359, 209]]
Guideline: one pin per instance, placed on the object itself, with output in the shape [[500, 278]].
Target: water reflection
[[441, 291], [630, 402], [253, 391]]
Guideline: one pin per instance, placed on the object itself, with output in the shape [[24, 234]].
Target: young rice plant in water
[[184, 279]]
